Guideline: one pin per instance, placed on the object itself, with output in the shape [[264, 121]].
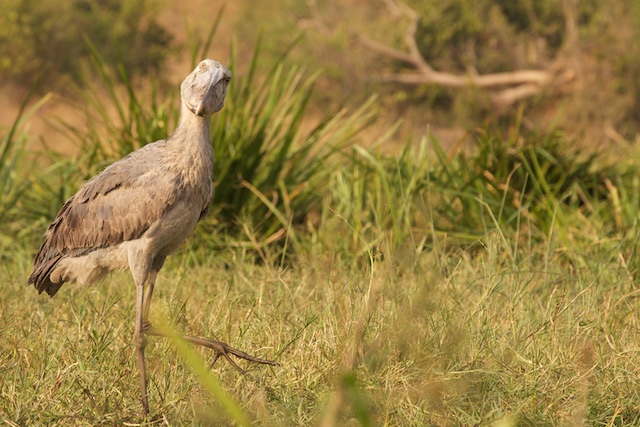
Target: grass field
[[426, 288], [453, 338]]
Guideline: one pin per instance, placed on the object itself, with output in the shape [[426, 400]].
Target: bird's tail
[[41, 276]]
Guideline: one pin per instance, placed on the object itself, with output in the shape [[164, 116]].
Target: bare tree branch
[[537, 77], [386, 50], [508, 87]]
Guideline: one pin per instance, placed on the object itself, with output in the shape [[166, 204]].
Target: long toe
[[223, 349], [220, 348]]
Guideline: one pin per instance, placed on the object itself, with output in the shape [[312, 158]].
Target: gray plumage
[[119, 205], [132, 199], [140, 209]]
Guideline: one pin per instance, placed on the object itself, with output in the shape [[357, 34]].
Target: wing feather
[[117, 205]]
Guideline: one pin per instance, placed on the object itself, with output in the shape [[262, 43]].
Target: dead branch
[[507, 87]]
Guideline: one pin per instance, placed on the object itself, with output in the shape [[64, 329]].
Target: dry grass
[[463, 338]]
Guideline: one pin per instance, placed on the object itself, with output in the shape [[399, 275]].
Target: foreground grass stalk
[[198, 366]]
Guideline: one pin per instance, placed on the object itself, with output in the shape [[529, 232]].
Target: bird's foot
[[223, 349], [220, 348]]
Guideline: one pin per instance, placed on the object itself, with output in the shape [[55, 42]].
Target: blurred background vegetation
[[589, 46], [45, 41], [324, 83], [321, 134]]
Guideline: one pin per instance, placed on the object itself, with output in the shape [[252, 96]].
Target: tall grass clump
[[524, 188], [116, 119], [270, 171], [535, 183], [376, 200], [16, 176]]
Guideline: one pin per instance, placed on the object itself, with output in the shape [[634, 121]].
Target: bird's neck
[[191, 143], [192, 127]]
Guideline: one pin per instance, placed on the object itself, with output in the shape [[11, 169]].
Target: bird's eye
[[227, 80], [203, 65]]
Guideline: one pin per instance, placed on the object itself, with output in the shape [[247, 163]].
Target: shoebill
[[139, 210]]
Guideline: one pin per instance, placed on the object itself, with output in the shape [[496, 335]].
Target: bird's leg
[[140, 265], [140, 342], [219, 348], [151, 282], [148, 293]]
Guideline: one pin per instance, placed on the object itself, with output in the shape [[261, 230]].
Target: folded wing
[[118, 205]]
